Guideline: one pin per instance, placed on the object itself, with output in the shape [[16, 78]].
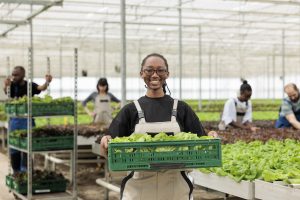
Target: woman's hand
[[254, 129], [48, 78], [104, 145], [92, 114], [213, 134], [7, 81]]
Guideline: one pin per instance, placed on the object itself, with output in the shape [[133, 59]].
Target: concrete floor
[[4, 192]]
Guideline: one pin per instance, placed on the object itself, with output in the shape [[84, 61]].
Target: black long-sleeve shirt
[[155, 110], [17, 90]]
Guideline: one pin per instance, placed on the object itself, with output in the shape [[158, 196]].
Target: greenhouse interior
[[149, 99]]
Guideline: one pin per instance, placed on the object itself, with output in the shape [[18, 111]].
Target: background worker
[[102, 99], [153, 113], [18, 88], [289, 113], [237, 111]]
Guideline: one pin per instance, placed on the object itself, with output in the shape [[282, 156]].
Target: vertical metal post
[[48, 88], [60, 68], [46, 162], [104, 49], [200, 67], [48, 72], [283, 61], [209, 72], [216, 76], [29, 108], [268, 77], [29, 122], [123, 51], [139, 66], [8, 65], [273, 66], [8, 75], [180, 47], [8, 116], [74, 152]]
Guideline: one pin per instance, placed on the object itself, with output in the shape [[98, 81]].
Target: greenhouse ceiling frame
[[46, 5], [239, 27]]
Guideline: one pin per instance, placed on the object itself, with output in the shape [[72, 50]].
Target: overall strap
[[140, 111], [240, 113], [174, 110]]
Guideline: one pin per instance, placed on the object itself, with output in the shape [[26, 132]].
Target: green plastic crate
[[15, 141], [8, 181], [10, 109], [48, 143], [44, 186], [178, 155], [46, 109]]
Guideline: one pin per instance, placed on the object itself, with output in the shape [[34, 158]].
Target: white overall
[[157, 185], [240, 113], [103, 110]]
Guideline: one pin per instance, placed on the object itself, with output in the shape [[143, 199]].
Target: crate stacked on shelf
[[43, 140], [41, 106], [3, 126], [43, 182]]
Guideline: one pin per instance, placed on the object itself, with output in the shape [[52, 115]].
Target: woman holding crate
[[153, 113]]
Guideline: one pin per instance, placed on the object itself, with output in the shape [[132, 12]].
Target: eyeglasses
[[150, 71]]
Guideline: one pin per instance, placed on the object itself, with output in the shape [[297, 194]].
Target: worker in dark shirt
[[153, 113], [18, 88]]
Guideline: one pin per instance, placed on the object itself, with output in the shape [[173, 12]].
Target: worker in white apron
[[159, 185], [153, 113], [102, 113], [103, 110], [237, 112]]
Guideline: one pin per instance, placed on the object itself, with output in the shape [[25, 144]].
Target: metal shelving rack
[[67, 195]]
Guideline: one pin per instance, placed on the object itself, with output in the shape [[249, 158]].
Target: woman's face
[[102, 88], [245, 96], [154, 72]]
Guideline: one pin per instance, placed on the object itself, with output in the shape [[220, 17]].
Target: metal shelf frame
[[28, 19], [30, 196], [30, 152]]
